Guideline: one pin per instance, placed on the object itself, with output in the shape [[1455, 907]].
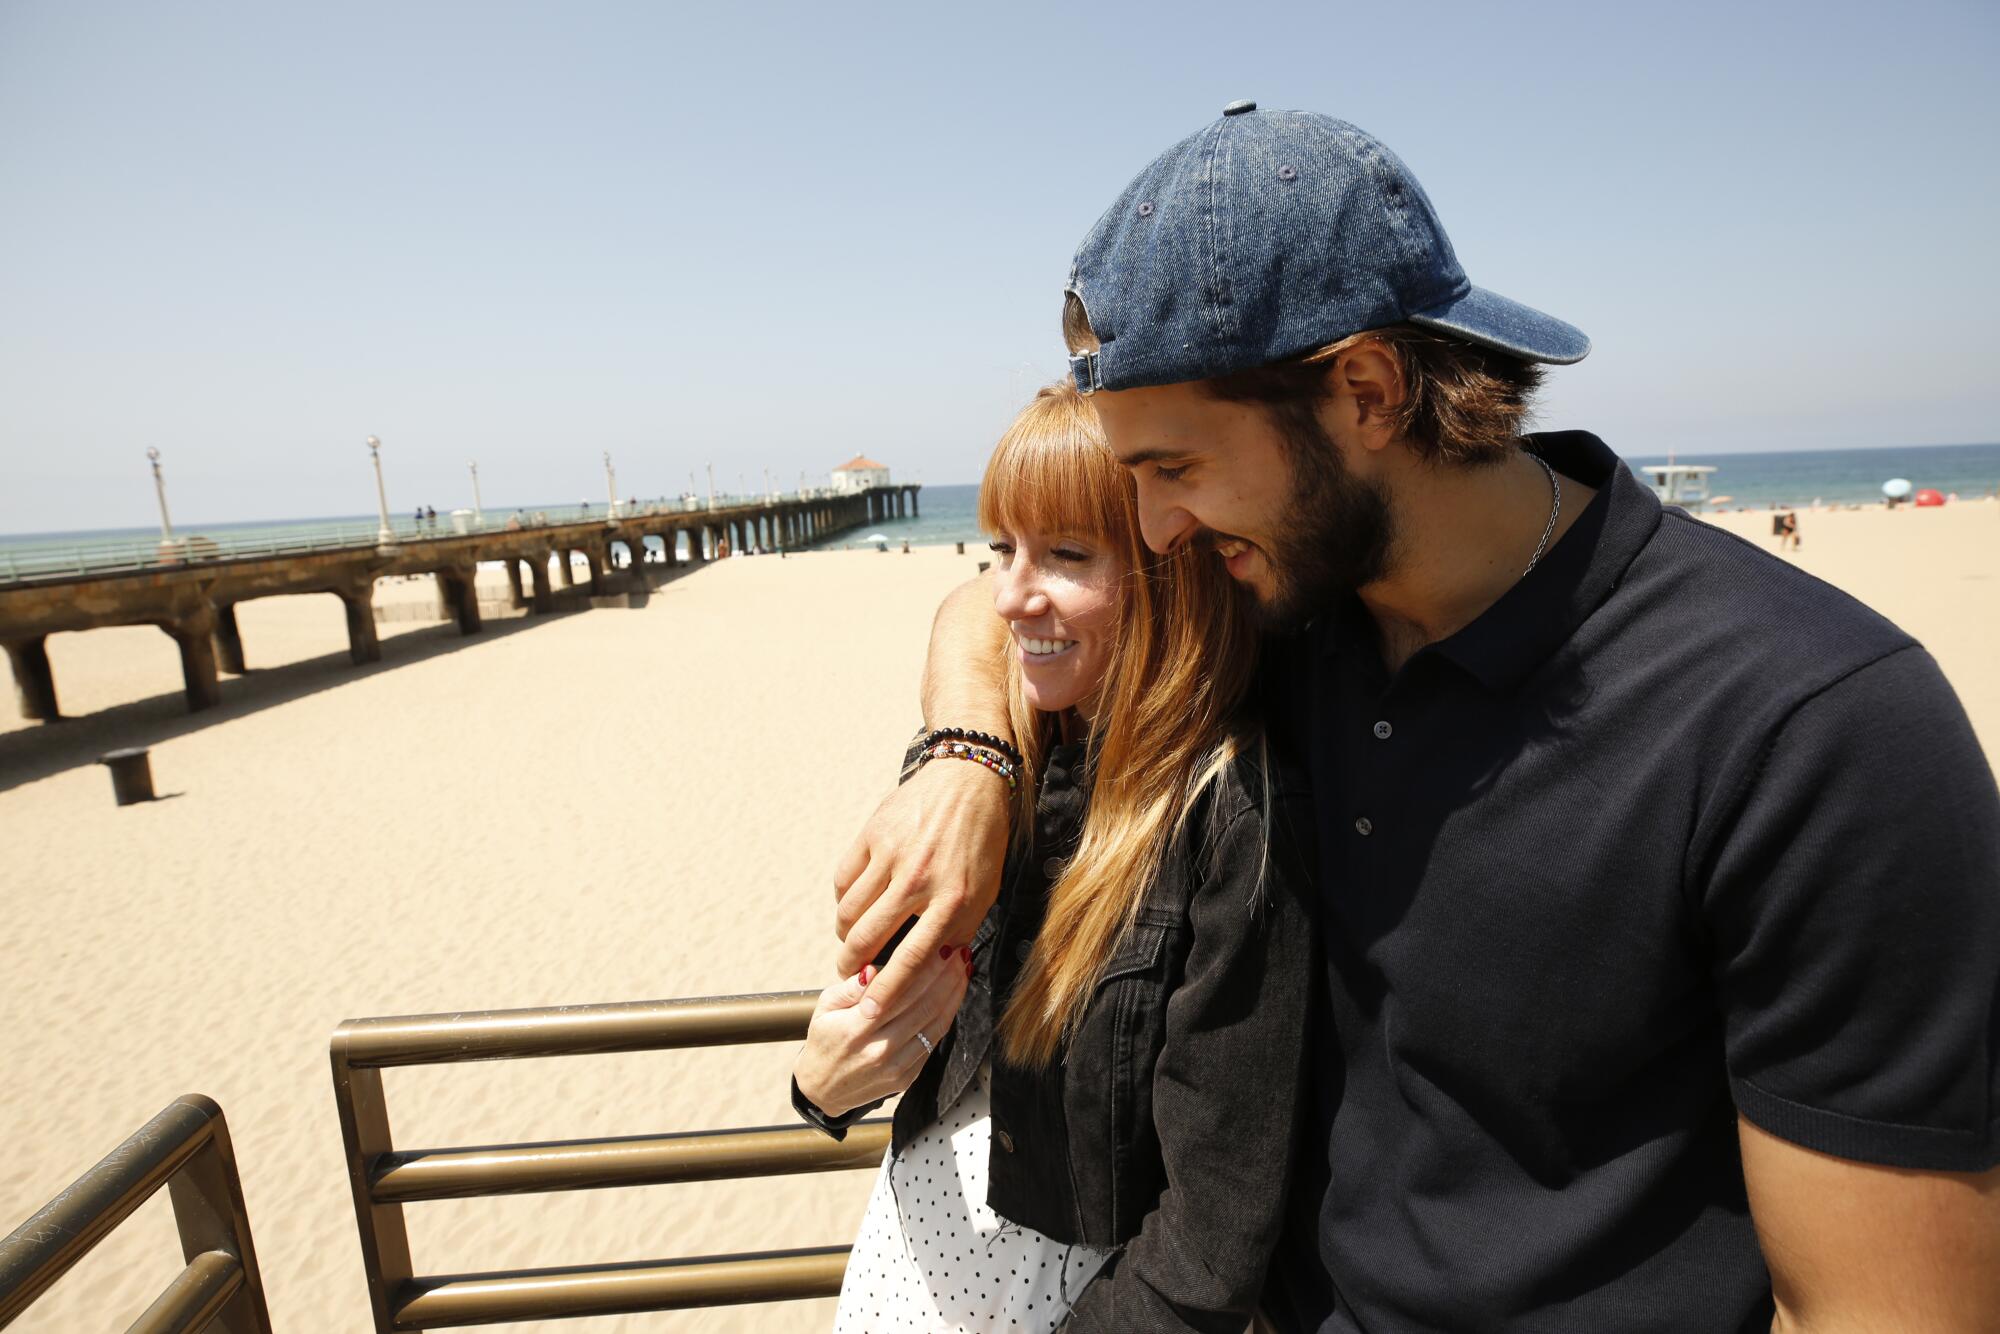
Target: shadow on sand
[[47, 749]]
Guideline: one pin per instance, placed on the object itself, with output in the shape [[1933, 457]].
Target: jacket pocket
[[1143, 946]]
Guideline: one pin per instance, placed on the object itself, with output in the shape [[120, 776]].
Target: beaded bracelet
[[960, 750], [986, 739]]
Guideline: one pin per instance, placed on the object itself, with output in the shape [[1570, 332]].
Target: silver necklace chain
[[1555, 486]]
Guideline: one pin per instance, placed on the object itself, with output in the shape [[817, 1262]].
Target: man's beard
[[1333, 538]]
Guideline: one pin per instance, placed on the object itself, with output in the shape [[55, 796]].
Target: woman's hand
[[850, 1060]]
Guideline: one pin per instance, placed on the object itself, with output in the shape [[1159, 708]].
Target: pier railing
[[385, 1179], [28, 561], [186, 1149]]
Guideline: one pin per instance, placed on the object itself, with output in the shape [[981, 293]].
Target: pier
[[190, 587]]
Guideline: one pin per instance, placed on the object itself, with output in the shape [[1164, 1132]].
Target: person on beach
[[1101, 1141], [1659, 882]]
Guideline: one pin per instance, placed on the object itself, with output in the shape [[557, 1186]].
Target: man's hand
[[850, 1060], [933, 850]]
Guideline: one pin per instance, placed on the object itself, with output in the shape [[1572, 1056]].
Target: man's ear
[[1367, 381]]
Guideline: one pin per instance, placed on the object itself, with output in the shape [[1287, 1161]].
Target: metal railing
[[186, 1149], [385, 1179], [30, 561]]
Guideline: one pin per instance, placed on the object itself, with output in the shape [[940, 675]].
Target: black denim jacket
[[1167, 1131]]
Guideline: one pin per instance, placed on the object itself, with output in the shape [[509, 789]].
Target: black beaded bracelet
[[987, 739]]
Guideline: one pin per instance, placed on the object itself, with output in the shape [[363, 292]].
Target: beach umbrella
[[1926, 498], [1897, 488]]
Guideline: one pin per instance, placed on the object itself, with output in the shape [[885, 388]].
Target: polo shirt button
[[1383, 731], [1004, 1140], [1024, 949], [1052, 867], [1364, 826]]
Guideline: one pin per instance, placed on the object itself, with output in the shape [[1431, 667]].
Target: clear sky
[[766, 236]]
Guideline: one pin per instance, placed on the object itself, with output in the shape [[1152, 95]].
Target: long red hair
[[1169, 712]]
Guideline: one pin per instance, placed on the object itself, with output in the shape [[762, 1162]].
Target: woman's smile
[[1036, 651]]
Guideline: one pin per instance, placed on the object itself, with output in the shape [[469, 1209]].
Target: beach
[[607, 805], [618, 804]]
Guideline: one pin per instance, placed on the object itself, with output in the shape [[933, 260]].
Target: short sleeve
[[1851, 894]]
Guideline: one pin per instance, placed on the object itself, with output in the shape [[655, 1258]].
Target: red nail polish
[[946, 951], [867, 973]]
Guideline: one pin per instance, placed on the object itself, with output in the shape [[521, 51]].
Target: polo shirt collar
[[1541, 611]]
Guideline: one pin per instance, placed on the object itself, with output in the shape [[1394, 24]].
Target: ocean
[[1799, 478], [1792, 478]]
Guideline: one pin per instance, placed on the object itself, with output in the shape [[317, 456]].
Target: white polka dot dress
[[932, 1256]]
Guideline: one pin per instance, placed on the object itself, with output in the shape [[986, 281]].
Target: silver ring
[[928, 1049]]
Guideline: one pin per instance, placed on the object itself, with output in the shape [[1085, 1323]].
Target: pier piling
[[194, 634], [538, 574], [458, 590], [34, 681], [362, 644], [228, 640]]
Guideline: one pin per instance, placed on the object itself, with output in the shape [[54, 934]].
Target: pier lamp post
[[711, 486], [384, 535], [160, 486], [478, 509], [611, 484]]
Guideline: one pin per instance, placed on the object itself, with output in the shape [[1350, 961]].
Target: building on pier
[[859, 473]]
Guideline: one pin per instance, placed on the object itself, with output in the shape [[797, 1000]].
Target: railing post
[[209, 1212], [186, 1147], [364, 1133]]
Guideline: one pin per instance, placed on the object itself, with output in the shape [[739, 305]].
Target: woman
[[1102, 1139]]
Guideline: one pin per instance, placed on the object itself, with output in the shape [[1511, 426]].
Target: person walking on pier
[[1659, 881], [1121, 1090]]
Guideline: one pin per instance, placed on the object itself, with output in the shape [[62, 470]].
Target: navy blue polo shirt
[[1671, 832]]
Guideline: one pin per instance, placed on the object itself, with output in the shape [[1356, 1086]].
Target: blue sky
[[771, 236]]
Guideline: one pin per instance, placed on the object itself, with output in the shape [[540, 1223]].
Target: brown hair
[[1463, 403], [1168, 716]]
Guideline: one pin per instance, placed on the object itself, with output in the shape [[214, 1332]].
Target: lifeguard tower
[[1683, 484]]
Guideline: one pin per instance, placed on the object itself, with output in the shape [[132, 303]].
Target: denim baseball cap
[[1268, 234]]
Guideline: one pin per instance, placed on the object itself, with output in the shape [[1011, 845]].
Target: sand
[[1934, 572], [609, 805]]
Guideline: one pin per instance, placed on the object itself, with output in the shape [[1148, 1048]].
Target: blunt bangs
[[1052, 473]]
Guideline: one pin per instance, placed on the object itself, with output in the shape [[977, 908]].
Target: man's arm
[[935, 846], [1856, 1247], [1849, 891]]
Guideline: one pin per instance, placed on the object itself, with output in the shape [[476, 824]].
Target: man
[[1661, 986]]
